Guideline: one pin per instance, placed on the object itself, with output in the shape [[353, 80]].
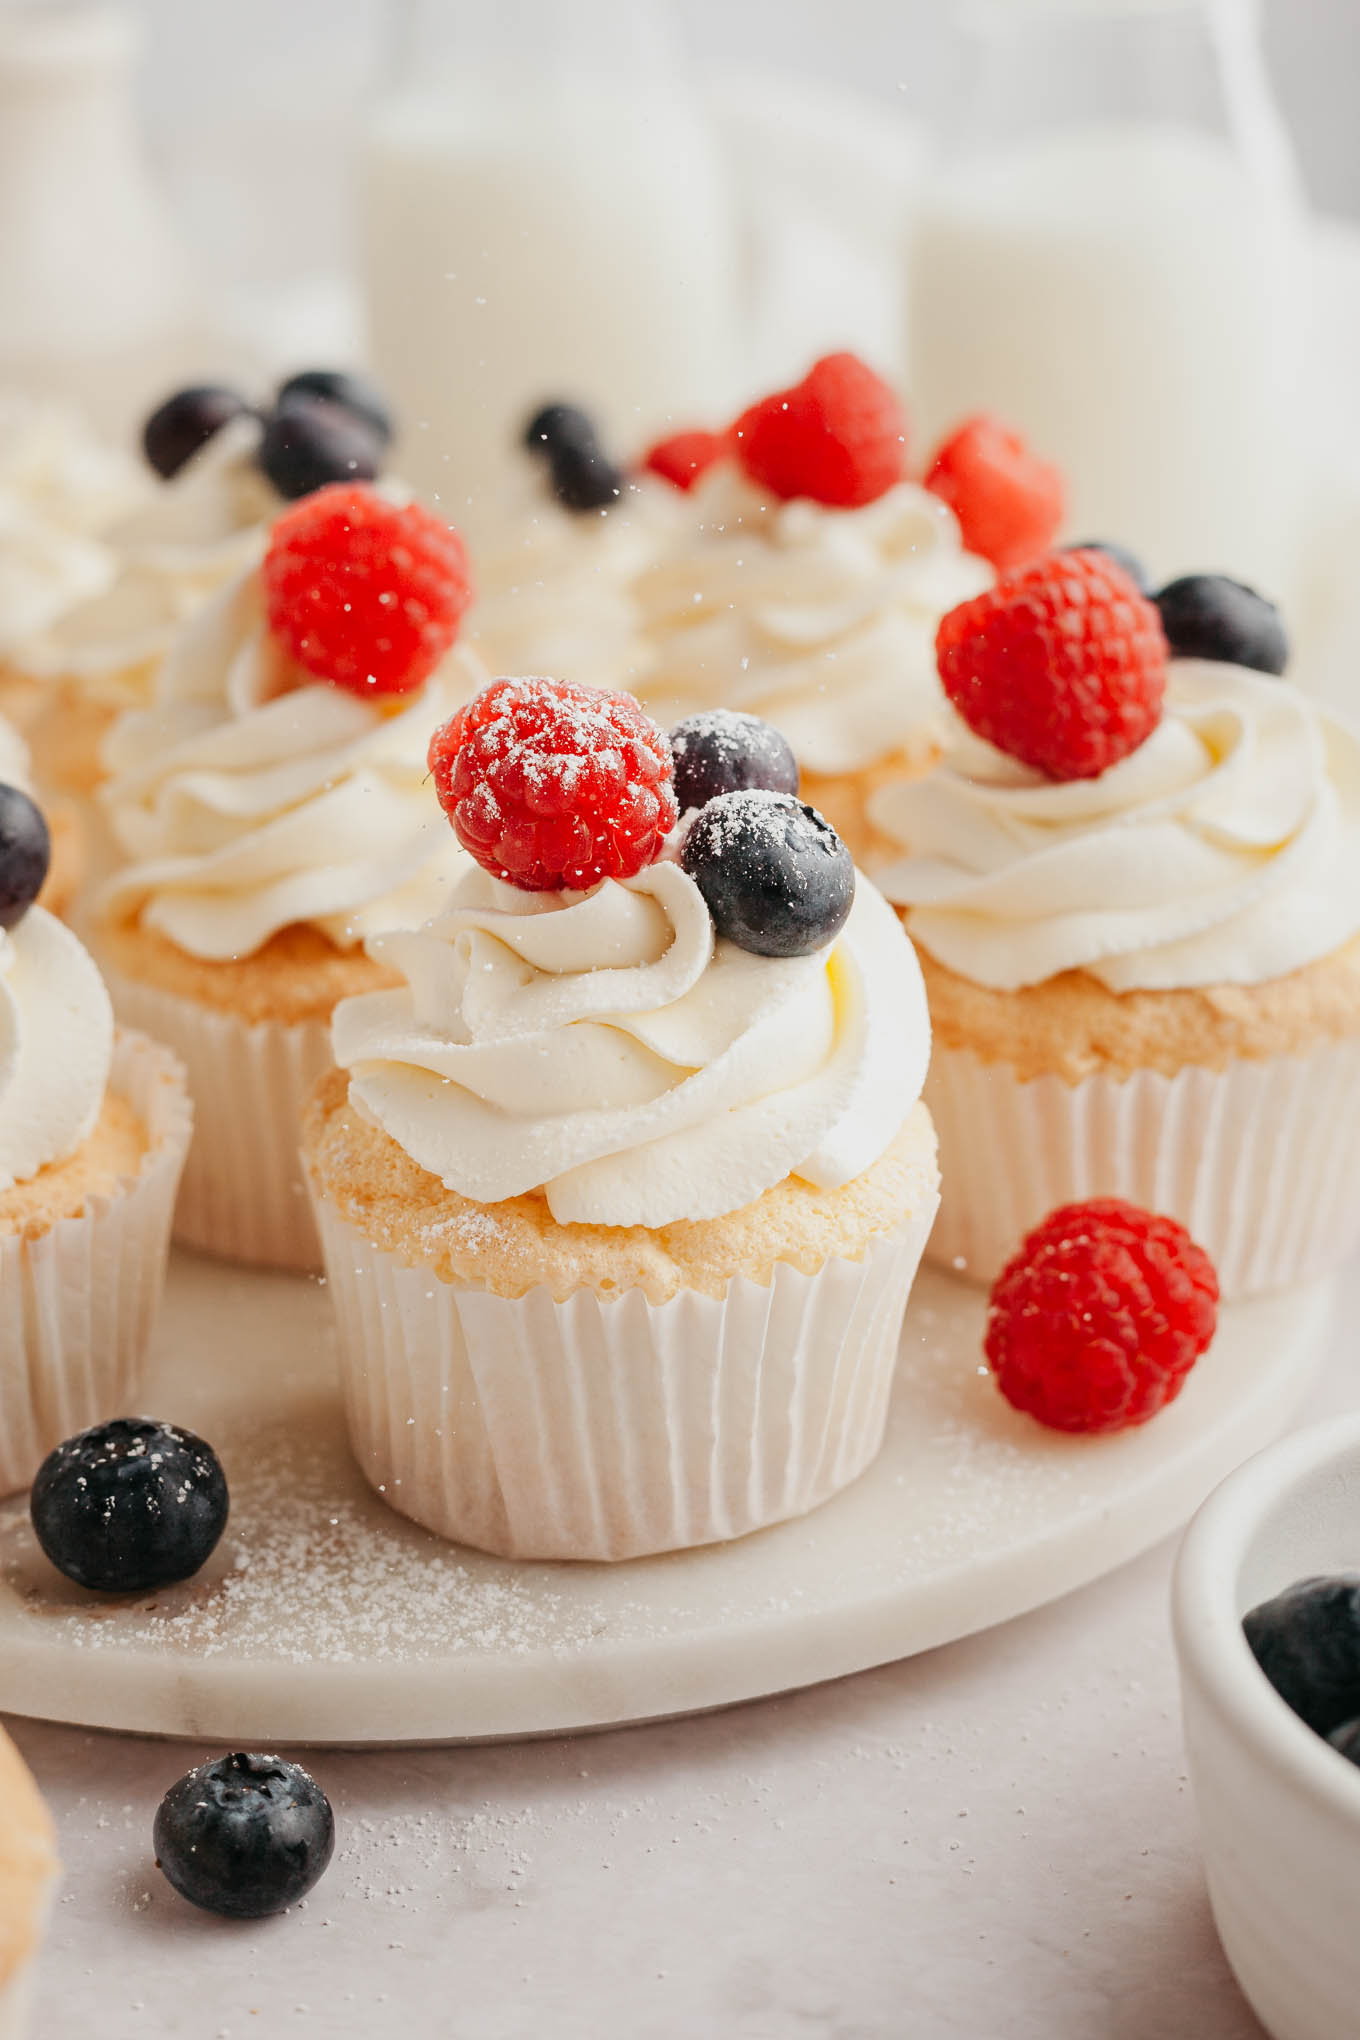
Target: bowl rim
[[1207, 1629]]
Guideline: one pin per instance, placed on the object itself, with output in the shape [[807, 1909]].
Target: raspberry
[[1009, 503], [685, 456], [1062, 664], [838, 436], [1096, 1321], [548, 784], [362, 592]]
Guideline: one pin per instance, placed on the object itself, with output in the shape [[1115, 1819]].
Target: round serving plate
[[325, 1618]]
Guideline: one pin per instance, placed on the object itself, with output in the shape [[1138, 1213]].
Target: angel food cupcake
[[1135, 888], [93, 1131], [28, 1872], [274, 808], [810, 576], [225, 472], [624, 1182]]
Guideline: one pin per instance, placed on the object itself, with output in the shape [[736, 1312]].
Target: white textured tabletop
[[994, 1839]]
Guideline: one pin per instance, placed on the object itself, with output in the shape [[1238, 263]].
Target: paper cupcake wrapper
[[78, 1304], [243, 1196], [1261, 1160], [610, 1427]]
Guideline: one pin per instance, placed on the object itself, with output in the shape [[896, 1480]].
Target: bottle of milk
[[543, 215], [1112, 258]]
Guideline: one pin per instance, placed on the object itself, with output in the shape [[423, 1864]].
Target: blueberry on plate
[[309, 442], [721, 750], [25, 853], [556, 426], [353, 393], [1120, 554], [173, 434], [130, 1506], [777, 879], [244, 1836], [1307, 1642], [1207, 616]]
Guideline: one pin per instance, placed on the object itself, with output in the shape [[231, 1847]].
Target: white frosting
[[56, 1046], [248, 802], [605, 1048], [1225, 850], [16, 767], [820, 620]]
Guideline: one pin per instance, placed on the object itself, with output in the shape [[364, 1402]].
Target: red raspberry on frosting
[[681, 459], [1061, 665], [838, 436], [1097, 1320], [362, 592], [1009, 503], [552, 785]]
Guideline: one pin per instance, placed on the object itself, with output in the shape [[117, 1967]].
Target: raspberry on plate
[[1096, 1321], [1009, 503], [1062, 664], [365, 593], [838, 436], [550, 785], [681, 459]]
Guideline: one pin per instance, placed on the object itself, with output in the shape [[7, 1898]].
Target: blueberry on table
[[244, 1836], [721, 750], [1207, 616], [173, 434], [130, 1506], [309, 442], [1307, 1642], [775, 876], [1121, 556], [25, 853], [554, 427], [353, 393]]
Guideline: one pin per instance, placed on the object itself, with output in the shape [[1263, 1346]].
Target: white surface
[[324, 1617], [1280, 1812], [994, 1840]]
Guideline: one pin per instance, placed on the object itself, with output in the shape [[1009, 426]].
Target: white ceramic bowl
[[1279, 1809]]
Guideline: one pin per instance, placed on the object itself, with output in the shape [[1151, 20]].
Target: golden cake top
[[28, 1861]]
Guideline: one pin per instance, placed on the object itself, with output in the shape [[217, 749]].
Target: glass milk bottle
[[1112, 258], [95, 302], [543, 214]]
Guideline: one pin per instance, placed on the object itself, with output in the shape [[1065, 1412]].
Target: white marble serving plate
[[325, 1618]]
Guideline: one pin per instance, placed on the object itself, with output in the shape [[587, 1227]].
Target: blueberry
[[309, 442], [1207, 616], [720, 750], [245, 1836], [129, 1506], [25, 853], [1120, 554], [353, 393], [1307, 1642], [555, 426], [583, 478], [777, 878], [173, 434]]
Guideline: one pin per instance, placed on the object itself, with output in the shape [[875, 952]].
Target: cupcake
[[28, 1873], [1135, 888], [273, 808], [94, 1127], [623, 1183], [225, 471], [805, 585], [557, 560]]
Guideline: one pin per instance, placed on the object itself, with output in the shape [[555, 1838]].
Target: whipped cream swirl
[[251, 798], [56, 1046], [1225, 850], [605, 1048], [822, 621]]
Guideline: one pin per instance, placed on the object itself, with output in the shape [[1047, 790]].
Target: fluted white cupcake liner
[[78, 1304], [610, 1427], [1260, 1160], [243, 1197]]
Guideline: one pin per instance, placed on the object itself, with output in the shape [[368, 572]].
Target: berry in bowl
[[1266, 1609]]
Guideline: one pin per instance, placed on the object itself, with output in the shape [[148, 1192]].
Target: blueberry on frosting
[[353, 393], [185, 422], [722, 750], [25, 853], [776, 878], [583, 476], [310, 442], [1208, 616]]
